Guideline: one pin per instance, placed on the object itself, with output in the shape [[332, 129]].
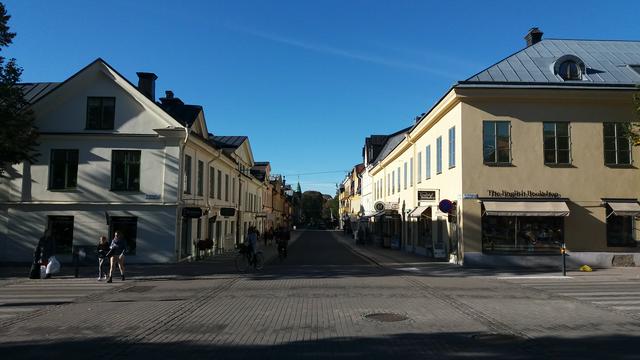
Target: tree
[[18, 134], [634, 127], [312, 204]]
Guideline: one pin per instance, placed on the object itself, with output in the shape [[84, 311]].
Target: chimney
[[147, 84], [168, 94], [534, 36]]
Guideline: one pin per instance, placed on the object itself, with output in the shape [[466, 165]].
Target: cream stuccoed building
[[515, 161], [112, 158]]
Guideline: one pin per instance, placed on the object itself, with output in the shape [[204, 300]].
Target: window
[[62, 233], [522, 234], [100, 113], [419, 167], [125, 170], [619, 230], [187, 174], [427, 156], [405, 175], [388, 184], [496, 142], [212, 182], [233, 191], [393, 181], [63, 169], [219, 185], [398, 178], [452, 147], [226, 187], [617, 145], [570, 70], [439, 155], [200, 178], [411, 172], [128, 228], [557, 142]]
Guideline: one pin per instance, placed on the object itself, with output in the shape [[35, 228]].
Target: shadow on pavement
[[398, 346]]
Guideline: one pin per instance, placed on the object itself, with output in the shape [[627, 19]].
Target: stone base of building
[[574, 260]]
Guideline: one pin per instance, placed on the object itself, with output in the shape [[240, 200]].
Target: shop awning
[[624, 208], [417, 212], [525, 208]]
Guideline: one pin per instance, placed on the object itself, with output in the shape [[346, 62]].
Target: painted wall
[[584, 183]]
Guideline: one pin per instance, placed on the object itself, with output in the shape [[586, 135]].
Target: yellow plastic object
[[586, 268]]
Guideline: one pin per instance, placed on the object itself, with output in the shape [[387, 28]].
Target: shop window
[[496, 142], [62, 234], [557, 143], [200, 178], [100, 113], [63, 169], [425, 229], [128, 227], [125, 170], [617, 145], [619, 230], [522, 234]]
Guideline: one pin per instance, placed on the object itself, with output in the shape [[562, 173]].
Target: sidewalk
[[401, 260], [213, 266]]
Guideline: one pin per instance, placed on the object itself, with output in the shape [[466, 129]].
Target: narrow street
[[324, 301]]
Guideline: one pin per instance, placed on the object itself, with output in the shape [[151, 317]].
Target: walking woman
[[118, 247], [103, 249]]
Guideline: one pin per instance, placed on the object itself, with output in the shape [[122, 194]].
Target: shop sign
[[522, 194], [426, 195], [192, 212], [152, 196]]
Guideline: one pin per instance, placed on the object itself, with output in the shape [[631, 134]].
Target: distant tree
[[18, 135], [312, 204], [634, 127]]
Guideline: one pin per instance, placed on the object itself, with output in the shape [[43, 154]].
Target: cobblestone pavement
[[325, 301]]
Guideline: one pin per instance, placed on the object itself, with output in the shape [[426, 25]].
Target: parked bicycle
[[245, 260]]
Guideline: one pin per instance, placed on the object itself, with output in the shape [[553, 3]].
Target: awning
[[417, 212], [624, 208], [525, 208]]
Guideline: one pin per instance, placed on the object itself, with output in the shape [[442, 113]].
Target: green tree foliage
[[312, 205], [634, 127], [18, 135]]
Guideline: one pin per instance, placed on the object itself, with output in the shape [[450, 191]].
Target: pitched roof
[[34, 91], [227, 142], [183, 113], [607, 63], [393, 140]]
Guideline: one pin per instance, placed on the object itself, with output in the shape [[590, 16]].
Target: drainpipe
[[180, 186]]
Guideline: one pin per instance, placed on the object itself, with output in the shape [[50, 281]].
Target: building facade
[[521, 158]]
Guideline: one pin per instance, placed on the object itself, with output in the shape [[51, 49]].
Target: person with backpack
[[116, 254]]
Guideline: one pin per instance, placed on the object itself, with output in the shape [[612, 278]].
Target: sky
[[307, 81]]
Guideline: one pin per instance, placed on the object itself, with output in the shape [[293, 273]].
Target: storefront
[[520, 227], [387, 225], [420, 222], [621, 214]]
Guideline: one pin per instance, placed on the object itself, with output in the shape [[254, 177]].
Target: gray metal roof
[[607, 63], [34, 91], [394, 140], [229, 141]]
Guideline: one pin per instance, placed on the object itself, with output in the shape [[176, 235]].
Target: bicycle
[[244, 259]]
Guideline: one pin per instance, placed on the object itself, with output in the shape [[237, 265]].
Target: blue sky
[[306, 81]]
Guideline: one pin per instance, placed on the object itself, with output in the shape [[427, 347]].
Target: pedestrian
[[252, 243], [46, 245], [102, 250], [38, 256], [116, 254]]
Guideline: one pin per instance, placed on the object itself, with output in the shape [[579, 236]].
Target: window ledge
[[620, 166], [70, 190], [499, 164], [127, 191], [553, 165]]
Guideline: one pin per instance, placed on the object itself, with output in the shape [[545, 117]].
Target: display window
[[522, 234]]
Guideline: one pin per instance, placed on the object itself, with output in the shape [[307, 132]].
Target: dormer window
[[569, 67], [569, 70]]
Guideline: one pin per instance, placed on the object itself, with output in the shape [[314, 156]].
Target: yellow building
[[522, 157]]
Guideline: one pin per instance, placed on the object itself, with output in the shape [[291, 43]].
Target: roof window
[[635, 68], [569, 67]]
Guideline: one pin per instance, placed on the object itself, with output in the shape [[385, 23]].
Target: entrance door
[[439, 246], [185, 249]]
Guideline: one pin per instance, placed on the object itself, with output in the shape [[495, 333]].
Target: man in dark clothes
[[41, 254]]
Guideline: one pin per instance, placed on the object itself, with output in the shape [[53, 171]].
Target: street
[[323, 301]]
